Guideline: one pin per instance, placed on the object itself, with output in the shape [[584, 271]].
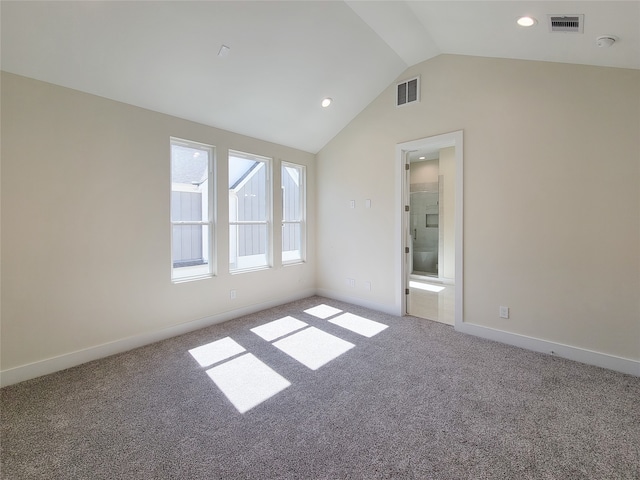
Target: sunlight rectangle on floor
[[322, 311], [313, 347], [359, 325], [278, 328], [217, 351], [247, 382]]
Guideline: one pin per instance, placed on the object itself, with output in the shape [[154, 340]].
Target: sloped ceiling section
[[285, 57], [397, 24], [489, 29]]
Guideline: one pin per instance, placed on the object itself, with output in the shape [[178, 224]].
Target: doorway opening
[[430, 227], [427, 212]]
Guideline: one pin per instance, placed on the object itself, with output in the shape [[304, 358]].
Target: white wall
[[547, 231], [425, 171], [81, 268]]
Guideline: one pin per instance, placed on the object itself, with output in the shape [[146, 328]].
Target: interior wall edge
[[29, 371], [576, 354]]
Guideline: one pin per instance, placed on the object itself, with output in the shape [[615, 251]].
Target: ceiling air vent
[[566, 23], [408, 91]]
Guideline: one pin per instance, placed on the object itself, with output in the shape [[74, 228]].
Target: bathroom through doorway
[[432, 225]]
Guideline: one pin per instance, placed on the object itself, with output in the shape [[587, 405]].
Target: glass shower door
[[425, 231]]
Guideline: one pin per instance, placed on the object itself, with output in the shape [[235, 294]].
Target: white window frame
[[302, 221], [208, 270], [268, 165]]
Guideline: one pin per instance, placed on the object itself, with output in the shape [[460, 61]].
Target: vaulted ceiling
[[285, 57]]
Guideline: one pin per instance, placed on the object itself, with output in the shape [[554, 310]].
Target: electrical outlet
[[352, 204], [504, 312], [351, 282], [232, 294], [367, 285]]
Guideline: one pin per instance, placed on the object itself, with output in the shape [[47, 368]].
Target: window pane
[[189, 183], [293, 212], [251, 195], [247, 246], [291, 198], [291, 242], [190, 245], [249, 201], [190, 202]]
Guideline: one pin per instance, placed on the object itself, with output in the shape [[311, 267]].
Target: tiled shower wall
[[425, 218]]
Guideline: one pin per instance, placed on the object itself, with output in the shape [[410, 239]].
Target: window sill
[[250, 269]]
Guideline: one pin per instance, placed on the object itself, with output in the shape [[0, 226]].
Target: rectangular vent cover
[[566, 23], [408, 92]]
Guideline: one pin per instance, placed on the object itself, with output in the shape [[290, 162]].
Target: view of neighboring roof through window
[[239, 169], [191, 219], [249, 212]]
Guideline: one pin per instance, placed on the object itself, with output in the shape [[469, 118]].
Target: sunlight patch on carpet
[[217, 351], [247, 382], [313, 348], [322, 311], [278, 328], [360, 325]]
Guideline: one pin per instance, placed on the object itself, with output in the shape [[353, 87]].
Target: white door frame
[[453, 139]]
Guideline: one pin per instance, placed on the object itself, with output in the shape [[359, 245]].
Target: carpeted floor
[[415, 400]]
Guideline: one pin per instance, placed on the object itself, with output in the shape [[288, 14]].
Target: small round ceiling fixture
[[605, 41], [526, 21], [326, 102]]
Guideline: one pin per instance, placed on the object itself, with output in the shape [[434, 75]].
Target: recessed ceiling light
[[326, 102], [421, 158], [526, 21]]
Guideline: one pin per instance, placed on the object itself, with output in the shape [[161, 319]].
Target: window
[[293, 213], [249, 211], [191, 210]]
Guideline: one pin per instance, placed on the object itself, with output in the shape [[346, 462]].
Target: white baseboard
[[611, 362], [73, 359], [589, 357], [62, 362], [389, 309]]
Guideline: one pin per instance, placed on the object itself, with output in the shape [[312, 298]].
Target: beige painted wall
[[85, 224], [547, 231], [425, 171]]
